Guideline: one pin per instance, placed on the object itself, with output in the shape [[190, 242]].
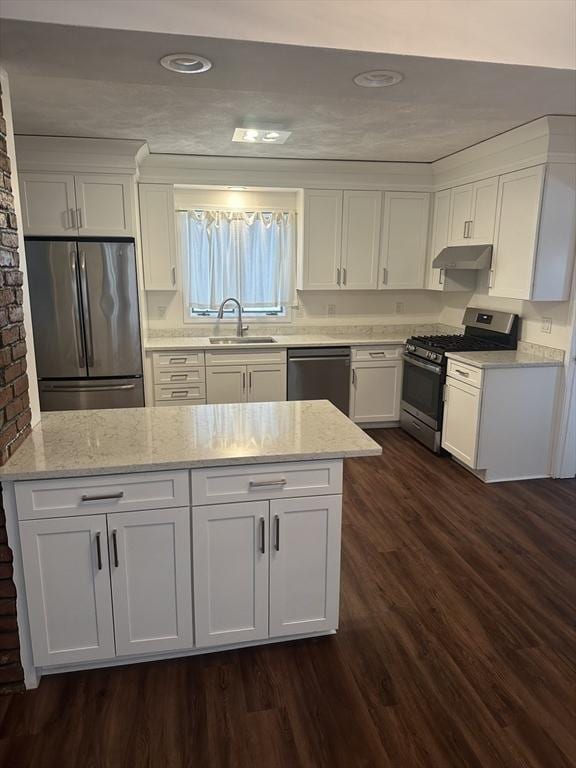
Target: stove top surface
[[456, 342]]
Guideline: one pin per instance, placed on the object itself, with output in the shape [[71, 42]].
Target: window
[[246, 254]]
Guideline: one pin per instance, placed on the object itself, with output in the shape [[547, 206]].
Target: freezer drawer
[[91, 394]]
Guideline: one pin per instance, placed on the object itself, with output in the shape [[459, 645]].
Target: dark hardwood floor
[[456, 649]]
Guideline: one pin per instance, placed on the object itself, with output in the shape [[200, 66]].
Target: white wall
[[30, 357]]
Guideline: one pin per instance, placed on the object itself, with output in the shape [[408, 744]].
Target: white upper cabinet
[[150, 562], [322, 240], [442, 279], [472, 213], [360, 240], [104, 205], [68, 589], [404, 239], [535, 233], [99, 205], [158, 226], [48, 204]]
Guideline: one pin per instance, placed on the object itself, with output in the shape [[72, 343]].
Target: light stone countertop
[[282, 342], [506, 359], [101, 442]]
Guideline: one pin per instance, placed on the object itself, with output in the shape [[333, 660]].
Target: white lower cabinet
[[266, 383], [376, 385], [304, 564], [461, 420], [226, 384], [68, 589], [151, 580], [266, 569], [246, 383], [230, 572]]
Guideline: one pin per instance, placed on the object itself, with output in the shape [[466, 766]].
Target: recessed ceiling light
[[378, 78], [260, 135], [237, 189], [186, 63]]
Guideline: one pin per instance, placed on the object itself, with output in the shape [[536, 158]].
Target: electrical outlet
[[331, 309], [546, 325], [399, 307], [161, 311]]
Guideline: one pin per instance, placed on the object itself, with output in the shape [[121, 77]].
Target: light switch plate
[[546, 325]]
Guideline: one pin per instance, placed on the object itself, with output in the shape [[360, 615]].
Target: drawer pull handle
[[277, 533], [179, 393], [262, 536], [377, 354], [462, 373], [115, 547], [98, 551], [178, 376], [103, 497], [265, 483], [178, 360]]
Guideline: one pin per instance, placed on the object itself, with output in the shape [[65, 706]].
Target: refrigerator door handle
[[88, 388], [86, 304], [77, 319]]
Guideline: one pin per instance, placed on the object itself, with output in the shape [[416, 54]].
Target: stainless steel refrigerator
[[84, 300]]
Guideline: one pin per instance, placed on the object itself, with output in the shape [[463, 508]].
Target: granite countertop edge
[[506, 359]]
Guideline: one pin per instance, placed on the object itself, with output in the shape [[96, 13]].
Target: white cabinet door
[[226, 384], [516, 234], [231, 565], [68, 589], [439, 238], [361, 240], [266, 383], [304, 564], [104, 204], [376, 390], [150, 563], [404, 238], [48, 204], [461, 421], [483, 212], [158, 225], [460, 214], [322, 240]]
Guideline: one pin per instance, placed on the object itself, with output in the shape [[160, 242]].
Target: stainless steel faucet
[[240, 328]]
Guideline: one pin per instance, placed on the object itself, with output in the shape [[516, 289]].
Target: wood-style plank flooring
[[456, 649]]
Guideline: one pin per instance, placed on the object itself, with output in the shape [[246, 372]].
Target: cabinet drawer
[[177, 360], [266, 481], [179, 376], [92, 495], [466, 373], [174, 394], [173, 403], [377, 353], [245, 356]]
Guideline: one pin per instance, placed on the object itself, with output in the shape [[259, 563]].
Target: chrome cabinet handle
[[344, 276], [377, 354], [177, 360], [115, 547], [266, 483], [462, 373], [98, 551], [178, 376], [441, 277], [179, 393], [250, 380], [74, 223], [354, 376], [384, 275], [80, 223], [337, 275], [103, 497], [244, 381], [262, 536], [276, 533], [491, 279], [173, 275]]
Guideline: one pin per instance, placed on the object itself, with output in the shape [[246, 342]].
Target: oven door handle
[[437, 369]]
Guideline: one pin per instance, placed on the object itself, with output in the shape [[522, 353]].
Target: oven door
[[422, 390]]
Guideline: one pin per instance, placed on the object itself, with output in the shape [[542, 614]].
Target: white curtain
[[249, 255]]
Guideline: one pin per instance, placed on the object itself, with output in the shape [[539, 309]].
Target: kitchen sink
[[242, 340]]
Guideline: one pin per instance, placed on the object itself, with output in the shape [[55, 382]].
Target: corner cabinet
[[158, 226], [376, 384], [535, 234], [88, 205], [442, 279]]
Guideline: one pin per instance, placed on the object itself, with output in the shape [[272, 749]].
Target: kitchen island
[[147, 533]]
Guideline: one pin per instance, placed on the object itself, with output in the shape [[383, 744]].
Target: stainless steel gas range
[[425, 361]]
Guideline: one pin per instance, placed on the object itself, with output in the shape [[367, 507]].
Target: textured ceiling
[[73, 81]]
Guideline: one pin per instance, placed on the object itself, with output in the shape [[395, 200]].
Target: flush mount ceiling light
[[260, 135], [378, 78], [186, 63]]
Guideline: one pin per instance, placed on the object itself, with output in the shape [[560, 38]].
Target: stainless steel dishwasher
[[320, 373]]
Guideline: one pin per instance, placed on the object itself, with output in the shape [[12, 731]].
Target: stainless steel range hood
[[464, 257]]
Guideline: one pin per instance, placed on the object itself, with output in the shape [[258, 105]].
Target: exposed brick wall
[[15, 413]]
